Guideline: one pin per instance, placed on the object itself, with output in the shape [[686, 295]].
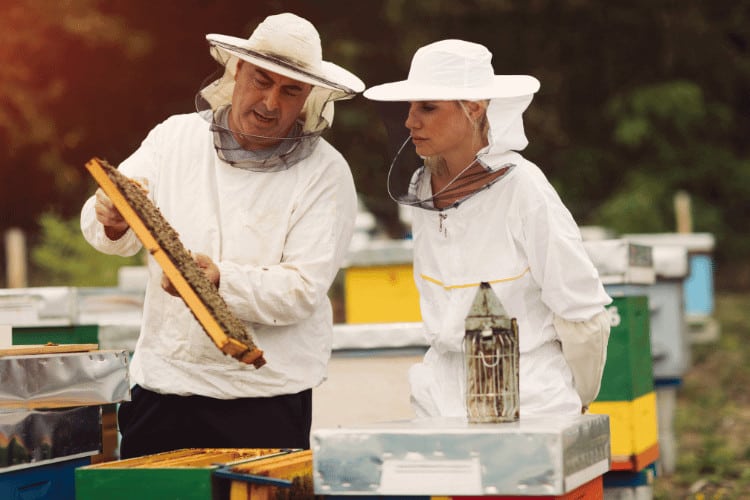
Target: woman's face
[[439, 128]]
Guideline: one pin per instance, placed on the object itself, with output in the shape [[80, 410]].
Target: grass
[[712, 418]]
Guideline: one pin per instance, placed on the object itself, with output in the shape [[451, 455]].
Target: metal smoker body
[[491, 357]]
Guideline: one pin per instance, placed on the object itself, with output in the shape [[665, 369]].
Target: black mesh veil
[[213, 102], [409, 174]]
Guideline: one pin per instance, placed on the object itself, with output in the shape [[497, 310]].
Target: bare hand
[[114, 224], [205, 264]]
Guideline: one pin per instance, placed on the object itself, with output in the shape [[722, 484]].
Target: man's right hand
[[114, 224]]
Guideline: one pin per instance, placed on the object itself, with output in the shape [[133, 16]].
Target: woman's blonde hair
[[436, 164]]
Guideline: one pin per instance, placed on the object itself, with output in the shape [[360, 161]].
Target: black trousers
[[153, 423]]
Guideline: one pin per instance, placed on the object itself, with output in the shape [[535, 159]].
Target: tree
[[46, 51], [65, 258]]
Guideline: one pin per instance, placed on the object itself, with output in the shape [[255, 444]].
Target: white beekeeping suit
[[514, 233]]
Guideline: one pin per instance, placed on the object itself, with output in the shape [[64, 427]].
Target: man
[[267, 207]]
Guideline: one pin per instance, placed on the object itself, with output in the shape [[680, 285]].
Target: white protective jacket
[[278, 239], [518, 236]]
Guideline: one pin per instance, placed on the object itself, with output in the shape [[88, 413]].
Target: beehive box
[[628, 373], [285, 476], [379, 284], [633, 431], [187, 474], [627, 392], [426, 457], [45, 481]]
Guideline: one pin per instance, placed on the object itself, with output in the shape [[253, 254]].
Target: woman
[[483, 213]]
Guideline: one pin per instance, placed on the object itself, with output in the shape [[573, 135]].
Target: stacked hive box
[[670, 345], [627, 392], [61, 315], [50, 415], [698, 290], [40, 315]]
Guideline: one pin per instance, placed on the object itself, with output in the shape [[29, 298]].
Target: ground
[[712, 421]]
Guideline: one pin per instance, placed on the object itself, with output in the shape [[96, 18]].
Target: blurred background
[[640, 100]]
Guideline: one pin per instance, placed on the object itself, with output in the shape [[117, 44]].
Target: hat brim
[[503, 86], [331, 76]]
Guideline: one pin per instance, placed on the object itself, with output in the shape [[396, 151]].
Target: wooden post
[[15, 258], [682, 211]]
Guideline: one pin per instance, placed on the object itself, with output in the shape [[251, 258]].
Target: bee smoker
[[491, 355]]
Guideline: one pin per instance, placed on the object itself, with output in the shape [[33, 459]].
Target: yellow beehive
[[633, 429], [381, 294]]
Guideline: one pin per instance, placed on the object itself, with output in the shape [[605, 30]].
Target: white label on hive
[[431, 477]]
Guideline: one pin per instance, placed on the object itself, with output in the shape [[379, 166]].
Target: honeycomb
[[201, 296]]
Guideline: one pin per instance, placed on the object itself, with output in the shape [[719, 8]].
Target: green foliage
[[671, 136], [64, 257], [643, 115], [638, 207], [49, 53]]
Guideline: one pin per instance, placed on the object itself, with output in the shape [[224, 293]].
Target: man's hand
[[114, 224], [205, 264]]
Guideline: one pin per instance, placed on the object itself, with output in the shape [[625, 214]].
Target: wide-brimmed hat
[[288, 45], [453, 70]]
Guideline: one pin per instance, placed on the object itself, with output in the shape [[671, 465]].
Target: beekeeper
[[267, 207], [481, 212]]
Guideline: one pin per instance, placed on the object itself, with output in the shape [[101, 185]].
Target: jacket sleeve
[[584, 345], [93, 232], [569, 282]]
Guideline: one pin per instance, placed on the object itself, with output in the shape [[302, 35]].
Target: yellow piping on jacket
[[471, 285]]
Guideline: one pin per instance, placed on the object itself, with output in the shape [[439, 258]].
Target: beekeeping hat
[[453, 70], [458, 70], [290, 46]]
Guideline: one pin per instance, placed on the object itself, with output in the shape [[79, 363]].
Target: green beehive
[[186, 474], [64, 334], [628, 373]]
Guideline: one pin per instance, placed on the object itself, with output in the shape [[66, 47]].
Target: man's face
[[265, 105]]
